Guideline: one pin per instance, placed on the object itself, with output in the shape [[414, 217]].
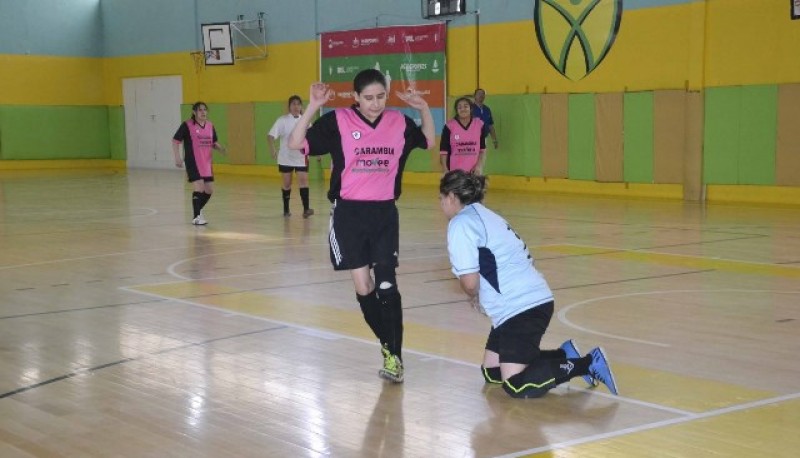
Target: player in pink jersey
[[369, 146], [463, 143], [198, 137]]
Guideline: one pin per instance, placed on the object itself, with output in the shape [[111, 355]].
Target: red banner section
[[408, 39], [431, 91]]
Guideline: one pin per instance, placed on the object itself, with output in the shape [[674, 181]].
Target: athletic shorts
[[191, 170], [291, 168], [363, 234], [194, 176], [517, 340]]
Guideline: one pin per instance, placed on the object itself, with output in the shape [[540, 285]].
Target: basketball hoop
[[199, 58]]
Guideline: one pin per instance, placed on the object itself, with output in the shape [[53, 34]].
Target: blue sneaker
[[601, 370], [573, 353]]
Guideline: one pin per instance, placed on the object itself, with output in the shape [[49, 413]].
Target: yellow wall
[[691, 45], [656, 48], [49, 80], [174, 64], [288, 69], [751, 42], [461, 61]]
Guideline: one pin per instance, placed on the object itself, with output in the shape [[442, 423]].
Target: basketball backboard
[[217, 44]]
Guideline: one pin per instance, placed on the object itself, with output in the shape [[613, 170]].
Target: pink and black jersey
[[463, 144], [367, 157], [198, 142]]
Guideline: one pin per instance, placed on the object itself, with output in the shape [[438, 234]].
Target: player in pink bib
[[369, 146], [199, 138], [463, 143]]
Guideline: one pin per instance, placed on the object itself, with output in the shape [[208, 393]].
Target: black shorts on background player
[[291, 168]]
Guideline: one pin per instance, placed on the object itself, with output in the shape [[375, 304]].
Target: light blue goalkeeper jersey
[[479, 240]]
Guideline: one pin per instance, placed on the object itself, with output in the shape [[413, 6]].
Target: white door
[[152, 115]]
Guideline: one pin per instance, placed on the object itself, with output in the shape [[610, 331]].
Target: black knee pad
[[385, 280], [536, 380], [491, 374]]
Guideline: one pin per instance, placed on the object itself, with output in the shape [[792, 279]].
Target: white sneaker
[[199, 221]]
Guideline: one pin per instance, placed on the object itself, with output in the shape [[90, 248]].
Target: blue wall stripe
[[95, 28], [51, 28]]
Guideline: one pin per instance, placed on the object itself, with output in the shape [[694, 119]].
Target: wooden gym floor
[[125, 331]]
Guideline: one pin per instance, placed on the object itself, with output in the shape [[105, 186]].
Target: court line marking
[[632, 279], [677, 255], [82, 309], [326, 265], [172, 268], [562, 314], [106, 255], [100, 211], [371, 343], [144, 356], [657, 424], [185, 247]]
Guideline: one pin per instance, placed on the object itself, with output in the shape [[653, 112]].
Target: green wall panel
[[420, 161], [116, 133], [721, 136], [266, 113], [416, 67], [638, 137], [54, 132], [517, 121], [758, 135], [580, 134]]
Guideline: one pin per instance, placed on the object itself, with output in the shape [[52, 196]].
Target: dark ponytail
[[467, 187]]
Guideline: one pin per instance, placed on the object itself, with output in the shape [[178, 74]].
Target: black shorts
[[191, 170], [363, 234], [517, 340], [291, 168], [192, 177]]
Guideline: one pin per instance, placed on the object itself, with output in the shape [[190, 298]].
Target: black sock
[[286, 193], [566, 369], [552, 354], [204, 198], [536, 380], [392, 311], [197, 200], [491, 374], [371, 308], [304, 197]]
